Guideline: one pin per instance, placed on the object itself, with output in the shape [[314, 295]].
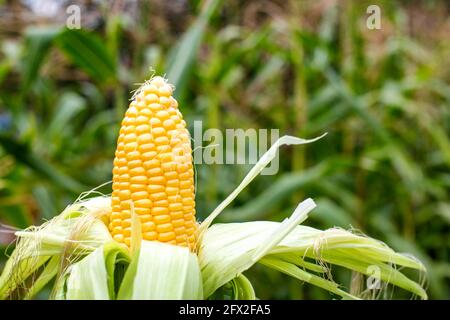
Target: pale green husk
[[76, 249]]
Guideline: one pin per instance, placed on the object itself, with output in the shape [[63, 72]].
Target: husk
[[92, 278], [163, 271], [228, 249], [252, 174], [76, 232]]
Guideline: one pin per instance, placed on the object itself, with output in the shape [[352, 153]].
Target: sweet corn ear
[[153, 173]]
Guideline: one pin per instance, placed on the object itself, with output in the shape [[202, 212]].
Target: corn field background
[[304, 67]]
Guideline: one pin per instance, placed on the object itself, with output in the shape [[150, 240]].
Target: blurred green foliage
[[304, 67]]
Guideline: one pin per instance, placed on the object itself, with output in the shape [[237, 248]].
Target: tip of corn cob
[[153, 174]]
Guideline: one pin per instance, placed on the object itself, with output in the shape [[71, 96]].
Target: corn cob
[[153, 173]]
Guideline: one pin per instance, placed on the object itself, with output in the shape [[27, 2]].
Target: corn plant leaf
[[38, 41], [182, 56], [23, 154], [88, 52]]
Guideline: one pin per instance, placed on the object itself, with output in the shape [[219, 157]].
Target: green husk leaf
[[227, 247], [224, 256], [94, 277], [252, 174], [162, 271], [76, 232], [242, 288], [117, 259], [302, 275], [88, 279], [49, 272]]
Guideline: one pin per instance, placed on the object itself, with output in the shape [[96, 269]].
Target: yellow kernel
[[119, 237], [133, 155], [142, 120], [127, 232], [155, 107], [139, 195], [173, 199], [131, 146], [157, 180], [188, 201], [169, 124], [145, 138], [155, 122], [171, 175], [173, 183], [135, 187], [157, 81], [143, 203], [165, 157], [152, 235], [178, 223], [126, 223], [161, 140], [145, 217], [163, 115], [143, 128], [148, 226], [181, 239], [125, 214], [158, 196], [141, 211], [124, 194], [171, 191], [153, 163], [155, 189], [158, 131], [161, 203], [166, 236], [134, 163], [139, 171], [168, 166], [174, 103], [125, 205], [185, 176], [149, 88], [116, 170], [164, 101], [117, 229], [185, 192], [154, 172], [151, 98], [131, 112], [130, 138], [176, 215], [140, 104], [175, 207], [180, 230], [142, 179], [165, 91], [161, 219], [159, 211]]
